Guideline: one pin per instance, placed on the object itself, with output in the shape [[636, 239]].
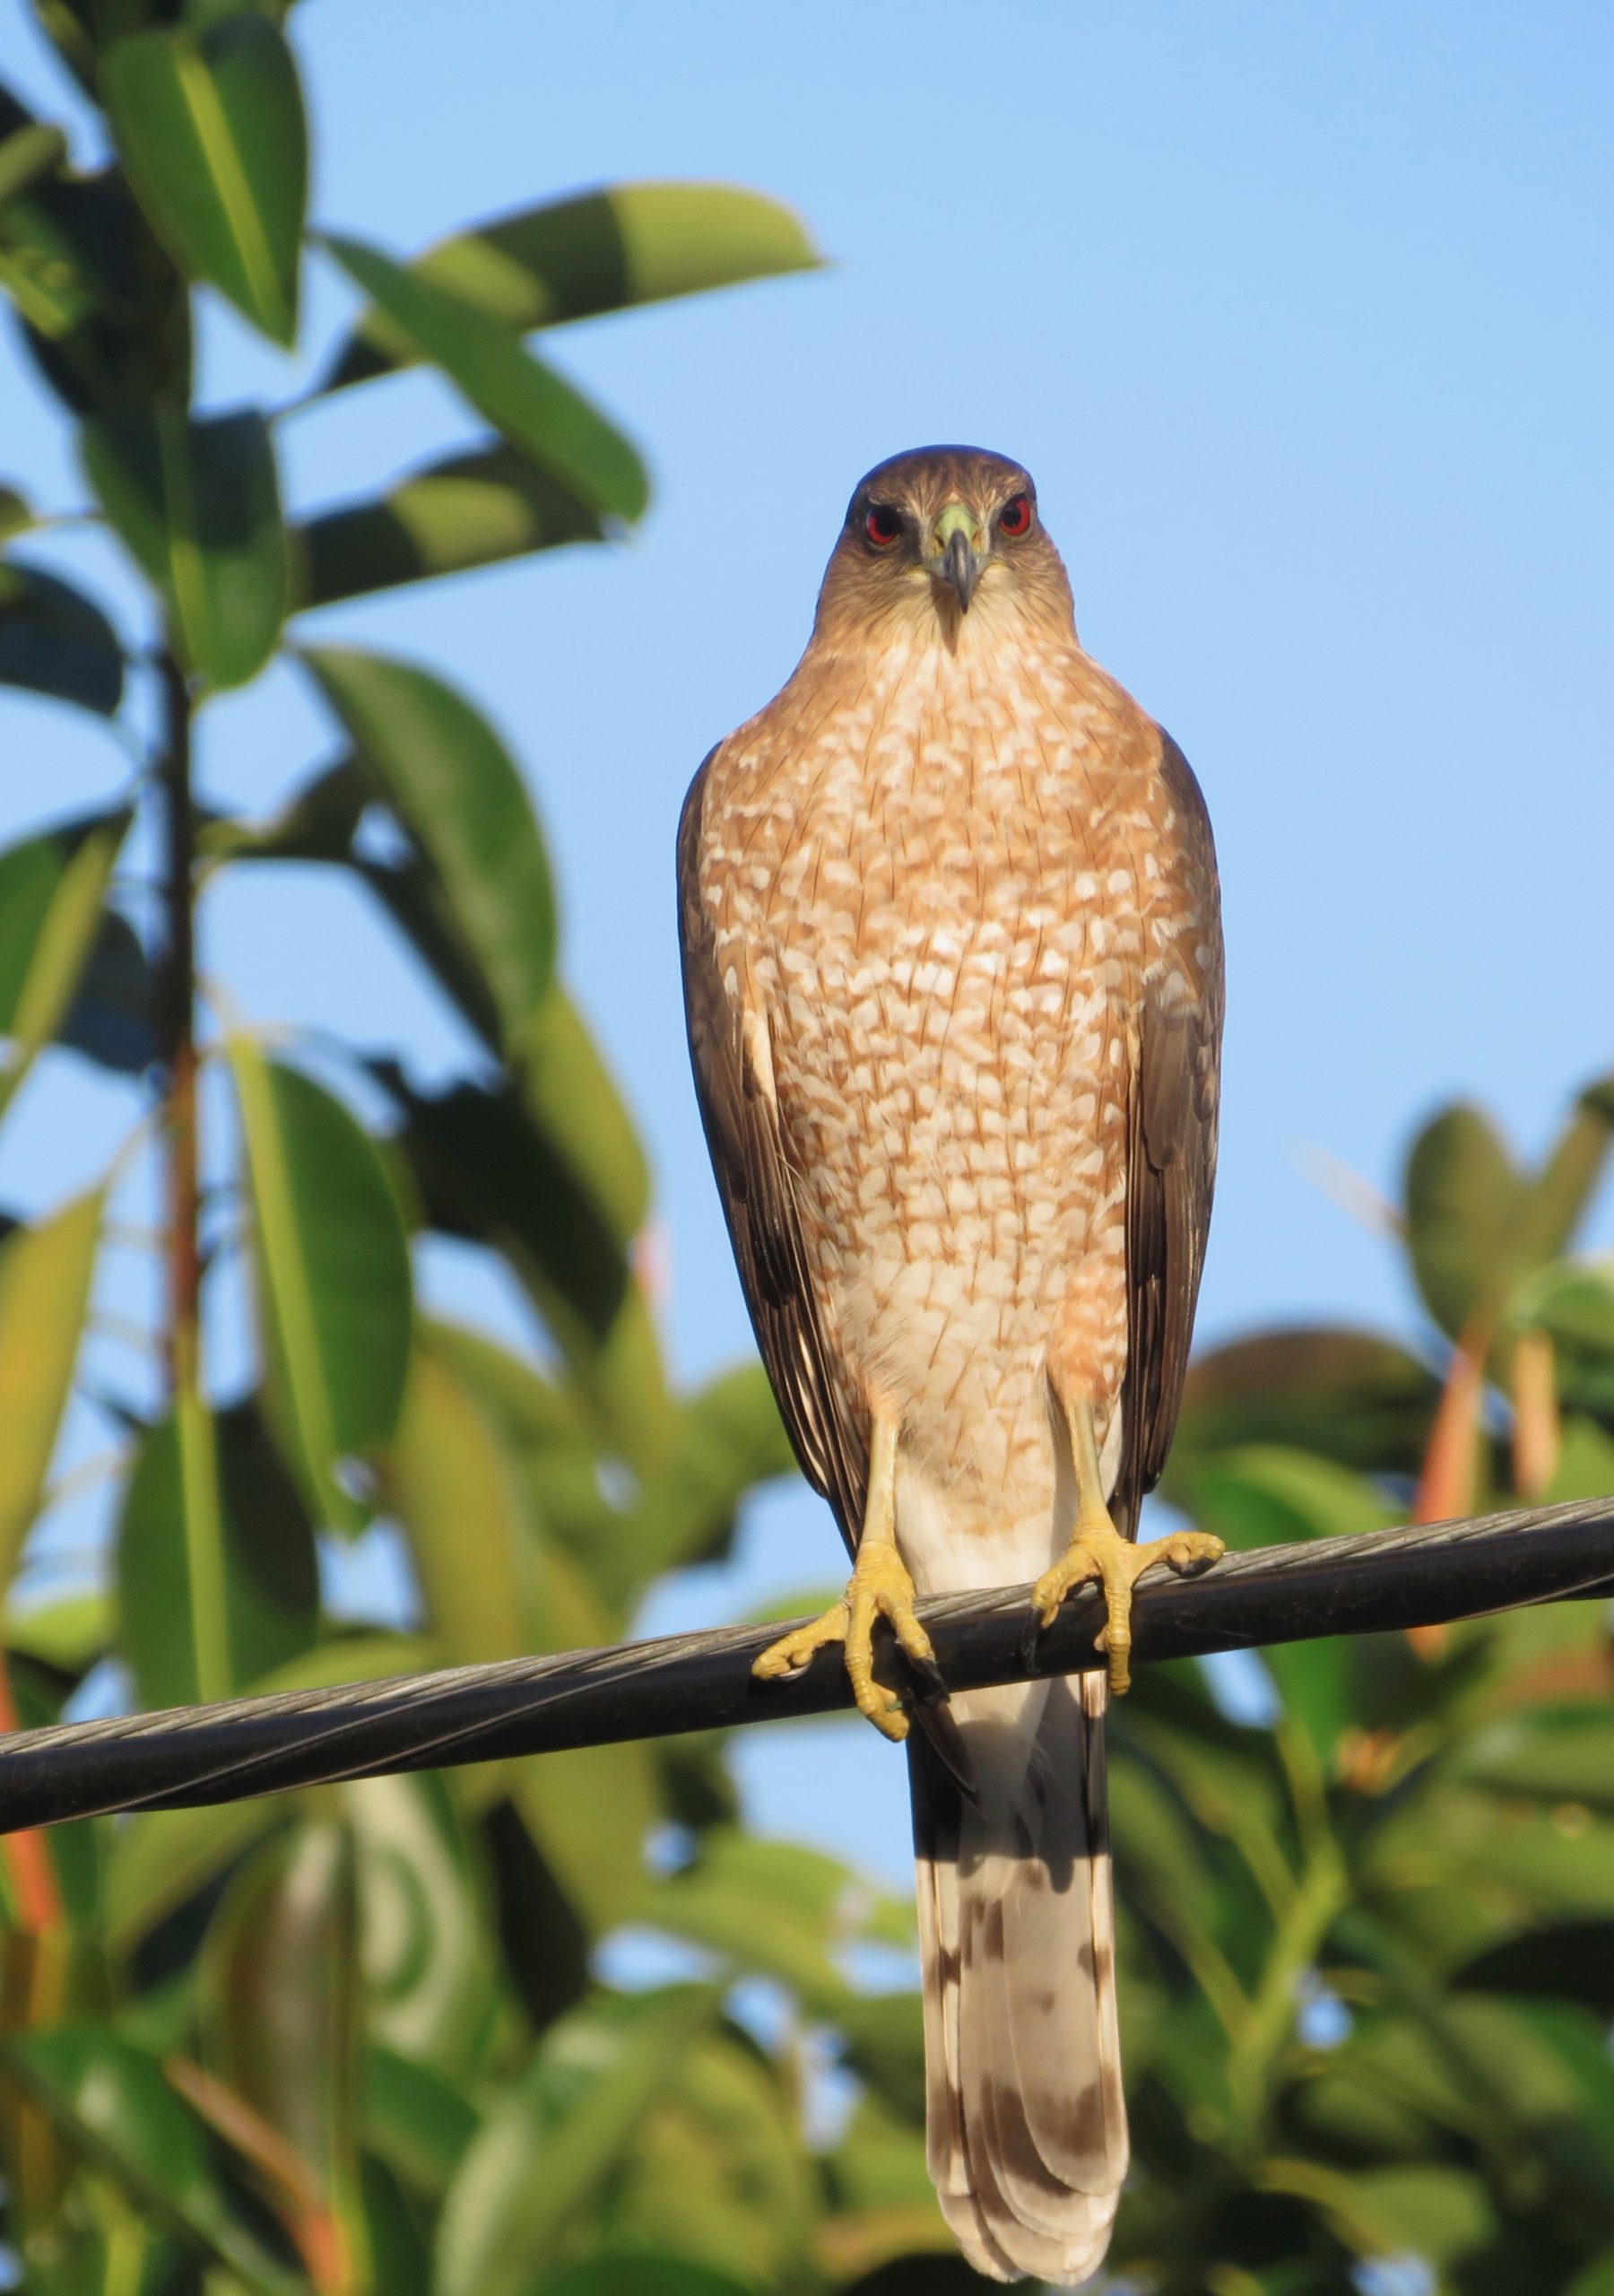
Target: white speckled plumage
[[934, 895]]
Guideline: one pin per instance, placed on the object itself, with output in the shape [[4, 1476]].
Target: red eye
[[882, 525], [1015, 516]]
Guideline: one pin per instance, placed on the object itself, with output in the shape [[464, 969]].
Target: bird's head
[[939, 536]]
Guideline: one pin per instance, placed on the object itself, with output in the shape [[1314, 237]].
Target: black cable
[[225, 1753]]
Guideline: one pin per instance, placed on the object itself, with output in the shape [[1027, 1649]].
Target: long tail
[[1025, 2124]]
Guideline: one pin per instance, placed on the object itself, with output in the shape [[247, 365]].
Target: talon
[[1098, 1550], [879, 1588]]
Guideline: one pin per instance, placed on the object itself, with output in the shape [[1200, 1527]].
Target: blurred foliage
[[359, 2040]]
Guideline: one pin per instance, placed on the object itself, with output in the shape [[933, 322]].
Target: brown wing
[[1171, 1171], [823, 1418]]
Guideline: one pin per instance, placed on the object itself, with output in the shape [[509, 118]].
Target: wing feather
[[823, 1417], [1171, 1169]]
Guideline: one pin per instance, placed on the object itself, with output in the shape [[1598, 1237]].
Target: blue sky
[[1302, 318]]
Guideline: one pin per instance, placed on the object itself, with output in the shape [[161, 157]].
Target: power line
[[241, 1747]]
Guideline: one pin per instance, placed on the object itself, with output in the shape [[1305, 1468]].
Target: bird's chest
[[943, 925]]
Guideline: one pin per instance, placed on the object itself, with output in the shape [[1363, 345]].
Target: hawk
[[953, 976]]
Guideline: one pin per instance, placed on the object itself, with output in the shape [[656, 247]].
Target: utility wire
[[245, 1746]]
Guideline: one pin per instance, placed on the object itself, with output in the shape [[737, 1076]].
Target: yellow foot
[[879, 1588], [1100, 1551]]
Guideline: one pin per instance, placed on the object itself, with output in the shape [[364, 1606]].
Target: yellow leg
[[1098, 1550], [879, 1588]]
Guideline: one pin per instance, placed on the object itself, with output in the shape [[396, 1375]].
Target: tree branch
[[245, 1746], [174, 1001]]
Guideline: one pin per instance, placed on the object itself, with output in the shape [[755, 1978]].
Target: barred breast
[[936, 892]]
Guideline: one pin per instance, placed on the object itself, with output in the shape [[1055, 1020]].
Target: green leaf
[[552, 423], [111, 2103], [45, 1273], [472, 509], [1559, 1754], [218, 1580], [26, 153], [332, 1277], [418, 2121], [1569, 1179], [111, 1018], [1262, 1495], [575, 1102], [430, 1957], [52, 887], [727, 1439], [67, 1635], [170, 1563], [280, 2004], [1569, 1960], [196, 500], [589, 1810], [54, 640], [487, 1173], [460, 797], [1465, 1200], [209, 127], [105, 316], [544, 2153], [775, 1908], [163, 1858], [449, 1481], [718, 2171], [1437, 2212], [1347, 1396], [602, 251], [16, 517], [643, 2271], [316, 823]]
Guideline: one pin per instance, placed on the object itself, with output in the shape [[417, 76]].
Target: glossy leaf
[[473, 510], [449, 1481], [718, 2173], [590, 1810], [1262, 1495], [419, 2122], [209, 127], [111, 1018], [104, 316], [1347, 1396], [279, 2013], [430, 1962], [1558, 1754], [52, 887], [45, 1277], [1569, 1179], [54, 641], [316, 823], [779, 1908], [196, 500], [163, 1858], [109, 2099], [571, 259], [331, 1273], [460, 797], [1572, 1301], [68, 1634], [486, 1172], [543, 2153], [218, 1581], [1464, 1202], [575, 1102], [529, 404]]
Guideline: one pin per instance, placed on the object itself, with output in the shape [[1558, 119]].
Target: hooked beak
[[960, 558]]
